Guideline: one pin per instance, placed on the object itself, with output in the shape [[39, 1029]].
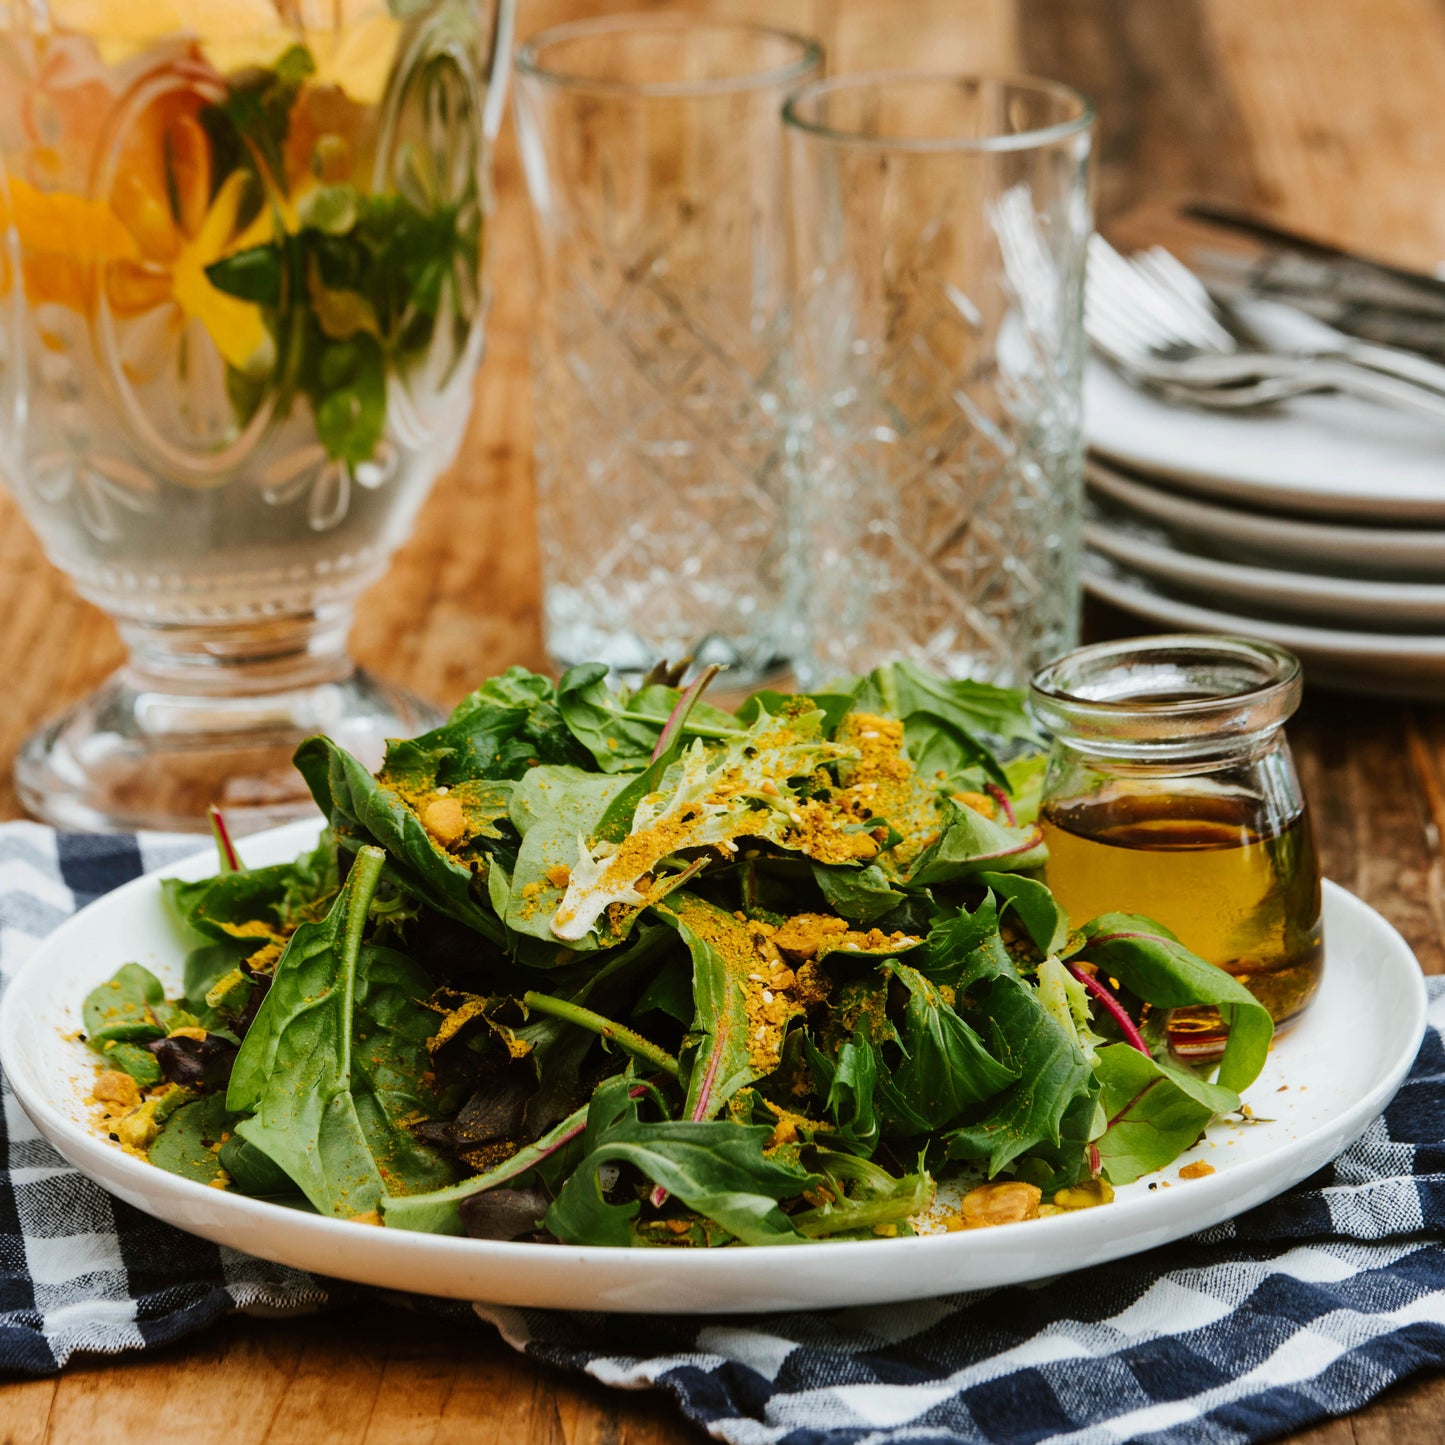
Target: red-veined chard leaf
[[1155, 1111], [1154, 966], [970, 844]]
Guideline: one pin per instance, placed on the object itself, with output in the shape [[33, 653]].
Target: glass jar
[[1171, 793]]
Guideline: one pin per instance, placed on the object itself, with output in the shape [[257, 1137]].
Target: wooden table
[[1325, 113]]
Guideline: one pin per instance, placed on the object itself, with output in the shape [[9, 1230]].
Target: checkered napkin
[[1302, 1309]]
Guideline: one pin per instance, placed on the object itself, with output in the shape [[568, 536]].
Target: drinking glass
[[241, 308], [939, 227], [654, 158]]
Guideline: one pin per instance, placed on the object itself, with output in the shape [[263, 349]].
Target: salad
[[624, 968]]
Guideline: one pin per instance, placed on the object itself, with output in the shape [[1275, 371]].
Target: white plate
[[1257, 536], [1387, 664], [1342, 1065], [1409, 606], [1318, 454]]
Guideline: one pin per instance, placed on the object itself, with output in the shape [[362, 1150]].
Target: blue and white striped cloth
[[1303, 1309]]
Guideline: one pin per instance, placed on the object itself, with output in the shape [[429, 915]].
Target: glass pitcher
[[241, 308]]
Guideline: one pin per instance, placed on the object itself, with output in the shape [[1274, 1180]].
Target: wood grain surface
[[1324, 113]]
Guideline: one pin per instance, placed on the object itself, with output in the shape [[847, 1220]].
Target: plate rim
[[1334, 540], [1265, 585], [1103, 1234], [1354, 645], [1259, 489]]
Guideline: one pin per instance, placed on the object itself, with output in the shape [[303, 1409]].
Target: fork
[[1153, 319]]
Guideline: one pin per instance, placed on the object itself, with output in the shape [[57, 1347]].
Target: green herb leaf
[[1051, 1071], [717, 1169], [356, 804], [970, 844], [1155, 1111], [1153, 965], [945, 1066]]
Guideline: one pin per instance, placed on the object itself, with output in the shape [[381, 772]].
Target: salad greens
[[624, 968]]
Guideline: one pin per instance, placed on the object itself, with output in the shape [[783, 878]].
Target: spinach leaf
[[903, 689], [946, 722], [189, 1142], [553, 808], [251, 1171], [321, 1066], [498, 732], [1152, 964], [861, 895], [970, 844], [1051, 1071], [120, 1009], [356, 804], [717, 1169], [1155, 1111]]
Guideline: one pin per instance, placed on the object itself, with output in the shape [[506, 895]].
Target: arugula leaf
[[357, 805], [1155, 1111], [965, 948], [1051, 1071], [864, 1196], [970, 844], [322, 1068], [1034, 906], [717, 1169], [945, 1067], [846, 1083], [1152, 964], [621, 732]]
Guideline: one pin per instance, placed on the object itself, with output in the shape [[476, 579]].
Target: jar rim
[[1174, 691]]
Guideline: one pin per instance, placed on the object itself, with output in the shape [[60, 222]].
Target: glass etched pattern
[[939, 351], [660, 367]]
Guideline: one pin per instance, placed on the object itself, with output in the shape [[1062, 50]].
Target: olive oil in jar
[[1239, 893]]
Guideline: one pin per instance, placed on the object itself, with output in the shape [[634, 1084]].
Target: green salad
[[624, 968]]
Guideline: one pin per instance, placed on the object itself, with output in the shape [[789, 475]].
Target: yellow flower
[[178, 236], [62, 240]]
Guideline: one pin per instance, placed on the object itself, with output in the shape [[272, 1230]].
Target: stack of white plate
[[1319, 524]]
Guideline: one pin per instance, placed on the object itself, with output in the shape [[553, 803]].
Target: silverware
[[1356, 294], [1155, 321]]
